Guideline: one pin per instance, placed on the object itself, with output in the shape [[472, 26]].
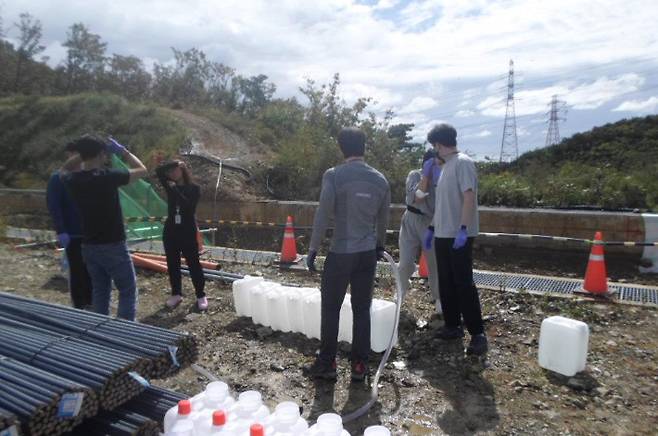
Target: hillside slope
[[34, 131], [614, 166]]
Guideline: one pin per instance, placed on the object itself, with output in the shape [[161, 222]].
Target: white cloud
[[649, 105], [452, 51], [386, 4], [578, 96], [418, 104], [465, 113]]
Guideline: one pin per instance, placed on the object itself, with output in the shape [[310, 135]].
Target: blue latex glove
[[114, 147], [436, 173], [427, 239], [460, 239], [428, 167], [63, 239], [310, 260]]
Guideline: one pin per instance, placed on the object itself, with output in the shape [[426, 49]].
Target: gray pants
[[412, 232]]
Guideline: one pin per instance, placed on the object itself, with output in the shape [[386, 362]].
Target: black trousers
[[179, 241], [340, 270], [457, 291], [79, 279]]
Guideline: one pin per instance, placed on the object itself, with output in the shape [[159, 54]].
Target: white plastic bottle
[[377, 430], [218, 424], [249, 409], [286, 420], [215, 397], [328, 424], [180, 412], [183, 427]]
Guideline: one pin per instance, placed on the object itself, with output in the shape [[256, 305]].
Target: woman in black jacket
[[180, 230]]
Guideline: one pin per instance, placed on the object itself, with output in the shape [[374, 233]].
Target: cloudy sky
[[427, 60]]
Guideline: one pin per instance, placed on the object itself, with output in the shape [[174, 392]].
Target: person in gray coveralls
[[419, 199]]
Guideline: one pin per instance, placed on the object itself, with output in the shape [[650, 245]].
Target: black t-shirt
[[96, 193], [182, 200]]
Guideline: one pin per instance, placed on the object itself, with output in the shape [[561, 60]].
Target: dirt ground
[[428, 387]]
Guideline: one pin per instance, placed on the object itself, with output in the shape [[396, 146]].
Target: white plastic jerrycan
[[328, 424], [563, 345], [215, 397], [312, 315], [382, 322], [180, 412], [295, 302], [242, 294]]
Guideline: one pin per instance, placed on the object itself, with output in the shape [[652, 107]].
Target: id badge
[[177, 219]]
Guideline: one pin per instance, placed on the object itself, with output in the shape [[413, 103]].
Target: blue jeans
[[107, 263]]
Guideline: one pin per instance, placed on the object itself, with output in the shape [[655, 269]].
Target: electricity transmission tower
[[553, 134], [509, 148]]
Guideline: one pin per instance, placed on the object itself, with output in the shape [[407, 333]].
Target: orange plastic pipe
[[160, 258], [151, 264]]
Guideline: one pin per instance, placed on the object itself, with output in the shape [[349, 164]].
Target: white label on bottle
[[69, 404]]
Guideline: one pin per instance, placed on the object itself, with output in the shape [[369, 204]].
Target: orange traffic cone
[[596, 277], [422, 266], [289, 246]]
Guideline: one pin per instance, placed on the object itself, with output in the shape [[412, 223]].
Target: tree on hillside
[[127, 76], [220, 86], [185, 82], [29, 45], [85, 60], [255, 93]]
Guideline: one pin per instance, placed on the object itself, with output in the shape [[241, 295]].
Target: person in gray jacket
[[416, 219], [358, 198]]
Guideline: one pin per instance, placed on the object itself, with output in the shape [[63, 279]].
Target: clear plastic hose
[[375, 390]]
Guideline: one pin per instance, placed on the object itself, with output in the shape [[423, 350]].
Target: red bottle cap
[[184, 407], [218, 417], [256, 430]]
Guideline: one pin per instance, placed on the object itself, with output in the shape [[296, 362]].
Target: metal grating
[[555, 285]]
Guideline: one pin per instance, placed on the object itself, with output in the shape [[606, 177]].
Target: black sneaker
[[450, 333], [321, 369], [359, 370], [478, 345]]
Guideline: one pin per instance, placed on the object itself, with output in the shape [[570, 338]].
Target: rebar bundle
[[168, 351], [102, 369], [143, 415], [44, 403]]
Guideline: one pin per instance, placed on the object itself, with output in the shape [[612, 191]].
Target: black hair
[[443, 134], [429, 154], [352, 141], [88, 146]]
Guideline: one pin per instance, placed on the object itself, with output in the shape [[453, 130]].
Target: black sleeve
[[119, 177]]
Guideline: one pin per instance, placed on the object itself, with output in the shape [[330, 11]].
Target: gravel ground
[[429, 386]]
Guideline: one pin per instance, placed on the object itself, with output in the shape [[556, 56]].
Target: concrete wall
[[577, 224]]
